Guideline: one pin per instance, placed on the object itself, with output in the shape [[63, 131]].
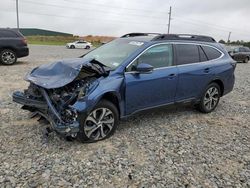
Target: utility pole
[[229, 35], [17, 14], [169, 18]]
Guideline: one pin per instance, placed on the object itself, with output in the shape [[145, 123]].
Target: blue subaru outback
[[86, 97]]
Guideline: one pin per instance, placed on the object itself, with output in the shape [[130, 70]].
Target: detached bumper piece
[[46, 109], [21, 98]]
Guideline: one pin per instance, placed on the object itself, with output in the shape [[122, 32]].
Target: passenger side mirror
[[143, 68]]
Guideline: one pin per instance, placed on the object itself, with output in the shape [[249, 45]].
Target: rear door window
[[211, 53], [187, 54]]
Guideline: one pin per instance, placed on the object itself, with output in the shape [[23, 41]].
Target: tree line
[[238, 42]]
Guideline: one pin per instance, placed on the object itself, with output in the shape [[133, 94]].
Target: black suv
[[12, 46], [240, 54]]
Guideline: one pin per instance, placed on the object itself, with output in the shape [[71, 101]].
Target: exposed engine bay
[[62, 98], [54, 103]]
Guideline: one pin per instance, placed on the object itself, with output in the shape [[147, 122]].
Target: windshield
[[114, 53]]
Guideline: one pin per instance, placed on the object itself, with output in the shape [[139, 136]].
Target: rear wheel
[[210, 98], [100, 123], [8, 57], [246, 60]]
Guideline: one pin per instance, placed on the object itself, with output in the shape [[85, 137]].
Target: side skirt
[[177, 103]]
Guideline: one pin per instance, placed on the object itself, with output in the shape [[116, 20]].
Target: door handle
[[207, 70], [171, 76]]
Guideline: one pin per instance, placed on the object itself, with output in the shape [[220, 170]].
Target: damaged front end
[[56, 87]]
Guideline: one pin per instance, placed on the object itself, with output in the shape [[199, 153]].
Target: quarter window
[[187, 53], [157, 56], [6, 33], [211, 52]]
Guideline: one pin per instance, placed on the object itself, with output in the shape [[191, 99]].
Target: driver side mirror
[[143, 68]]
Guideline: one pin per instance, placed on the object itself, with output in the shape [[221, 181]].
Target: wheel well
[[220, 83], [7, 48], [112, 98]]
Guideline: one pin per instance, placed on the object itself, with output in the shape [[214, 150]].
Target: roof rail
[[139, 34], [184, 37]]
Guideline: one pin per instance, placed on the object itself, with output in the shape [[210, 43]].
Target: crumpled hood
[[61, 73]]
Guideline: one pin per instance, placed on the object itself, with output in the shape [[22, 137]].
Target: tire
[[87, 47], [210, 98], [8, 57], [72, 47], [246, 60], [93, 128]]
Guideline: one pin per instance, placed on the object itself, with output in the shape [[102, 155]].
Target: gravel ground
[[177, 147]]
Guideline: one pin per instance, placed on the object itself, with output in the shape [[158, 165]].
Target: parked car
[[240, 54], [86, 97], [13, 45], [79, 44]]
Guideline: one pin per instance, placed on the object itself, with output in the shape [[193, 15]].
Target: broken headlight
[[89, 88]]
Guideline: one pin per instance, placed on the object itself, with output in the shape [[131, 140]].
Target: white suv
[[79, 44]]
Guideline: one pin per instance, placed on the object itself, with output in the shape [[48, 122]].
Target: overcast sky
[[116, 17]]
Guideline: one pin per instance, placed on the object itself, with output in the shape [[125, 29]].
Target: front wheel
[[210, 98], [87, 47], [72, 47], [100, 123]]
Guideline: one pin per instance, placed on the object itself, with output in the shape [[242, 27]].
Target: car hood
[[61, 73]]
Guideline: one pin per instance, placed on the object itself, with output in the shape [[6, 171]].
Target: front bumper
[[46, 109]]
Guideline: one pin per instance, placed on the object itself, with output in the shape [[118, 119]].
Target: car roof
[[157, 37], [140, 38], [173, 38]]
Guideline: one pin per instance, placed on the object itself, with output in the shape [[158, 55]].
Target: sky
[[215, 18]]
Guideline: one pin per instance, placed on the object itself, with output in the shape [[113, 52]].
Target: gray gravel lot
[[177, 147]]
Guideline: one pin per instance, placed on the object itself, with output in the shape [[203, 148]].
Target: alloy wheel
[[8, 57], [211, 98], [99, 124]]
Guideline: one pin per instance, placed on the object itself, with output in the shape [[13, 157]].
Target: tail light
[[234, 63], [24, 40]]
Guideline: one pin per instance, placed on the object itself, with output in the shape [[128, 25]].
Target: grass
[[62, 40], [59, 43], [50, 40]]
